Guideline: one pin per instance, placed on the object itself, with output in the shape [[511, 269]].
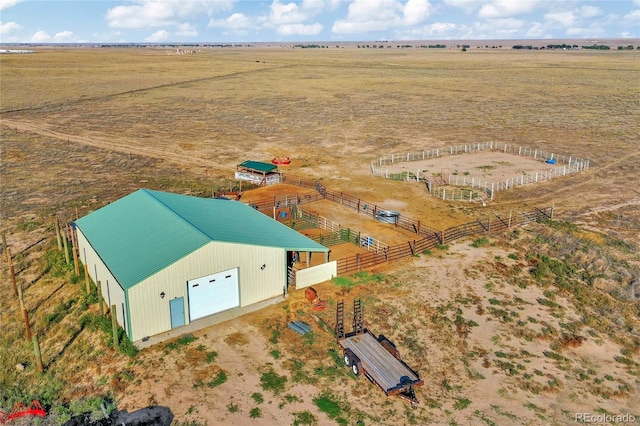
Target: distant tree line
[[562, 46], [311, 46], [597, 47], [573, 47]]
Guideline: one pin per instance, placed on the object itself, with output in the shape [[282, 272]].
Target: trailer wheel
[[355, 369], [347, 360]]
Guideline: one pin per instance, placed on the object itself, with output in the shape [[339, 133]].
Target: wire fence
[[480, 188]]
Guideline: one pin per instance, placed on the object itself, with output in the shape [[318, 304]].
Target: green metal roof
[[147, 231], [259, 166]]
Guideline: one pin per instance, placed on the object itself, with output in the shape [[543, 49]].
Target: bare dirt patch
[[489, 166]]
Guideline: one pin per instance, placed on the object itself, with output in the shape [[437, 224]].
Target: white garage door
[[213, 293]]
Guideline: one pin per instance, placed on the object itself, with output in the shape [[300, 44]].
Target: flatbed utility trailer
[[375, 357]]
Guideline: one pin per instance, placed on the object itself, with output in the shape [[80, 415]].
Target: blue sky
[[221, 21]]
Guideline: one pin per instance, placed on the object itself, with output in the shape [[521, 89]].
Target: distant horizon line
[[204, 43]]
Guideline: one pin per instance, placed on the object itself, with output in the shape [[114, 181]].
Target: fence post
[[65, 245], [114, 326], [57, 230], [86, 276], [100, 299], [38, 354], [12, 272], [74, 247]]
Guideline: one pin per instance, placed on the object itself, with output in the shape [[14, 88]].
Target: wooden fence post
[[509, 226], [66, 245], [12, 272], [20, 298], [56, 223], [74, 247], [25, 313], [36, 351], [27, 325], [100, 299], [86, 277], [114, 326]]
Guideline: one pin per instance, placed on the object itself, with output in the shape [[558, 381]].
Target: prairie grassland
[[527, 328], [336, 110]]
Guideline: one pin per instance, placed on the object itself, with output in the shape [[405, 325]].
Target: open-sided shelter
[[258, 172], [165, 260]]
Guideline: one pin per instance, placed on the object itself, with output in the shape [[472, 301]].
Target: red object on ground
[[21, 410], [281, 160]]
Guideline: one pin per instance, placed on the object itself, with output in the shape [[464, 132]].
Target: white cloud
[[633, 17], [381, 15], [299, 29], [63, 36], [565, 19], [467, 5], [416, 11], [186, 30], [160, 35], [9, 27], [40, 37], [636, 2], [537, 30], [289, 13], [5, 4], [590, 11], [237, 21], [506, 8], [157, 13]]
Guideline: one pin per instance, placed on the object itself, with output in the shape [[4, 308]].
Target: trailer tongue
[[376, 358]]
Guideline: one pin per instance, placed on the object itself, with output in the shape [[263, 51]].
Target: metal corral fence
[[426, 237], [337, 234], [491, 224], [480, 188]]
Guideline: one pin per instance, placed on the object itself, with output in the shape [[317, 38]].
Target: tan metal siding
[[150, 314], [111, 291], [316, 274]]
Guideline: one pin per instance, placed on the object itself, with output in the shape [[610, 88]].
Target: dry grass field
[[527, 327]]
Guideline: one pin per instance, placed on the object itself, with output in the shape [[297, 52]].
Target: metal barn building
[[165, 260]]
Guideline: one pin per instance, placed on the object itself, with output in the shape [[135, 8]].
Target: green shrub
[[220, 378], [302, 418], [328, 404], [461, 403], [273, 382], [211, 356], [180, 342], [479, 242]]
